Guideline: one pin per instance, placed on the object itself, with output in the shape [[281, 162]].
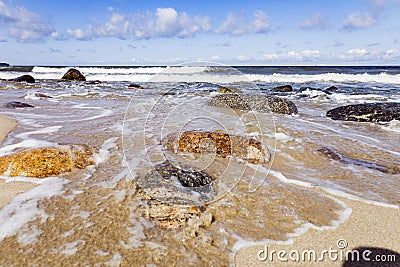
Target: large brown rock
[[73, 75], [44, 162], [220, 143]]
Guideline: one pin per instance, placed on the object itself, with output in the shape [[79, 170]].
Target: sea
[[100, 215]]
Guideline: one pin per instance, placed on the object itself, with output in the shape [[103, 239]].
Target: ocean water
[[99, 215]]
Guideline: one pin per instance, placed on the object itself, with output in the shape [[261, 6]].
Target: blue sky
[[121, 32]]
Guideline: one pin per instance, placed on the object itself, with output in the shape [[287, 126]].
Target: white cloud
[[164, 22], [237, 25], [291, 56], [315, 21], [23, 25], [359, 21]]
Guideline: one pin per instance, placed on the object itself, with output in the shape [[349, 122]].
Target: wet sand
[[9, 190], [368, 226]]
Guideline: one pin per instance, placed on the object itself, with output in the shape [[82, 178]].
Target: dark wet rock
[[369, 112], [335, 155], [45, 162], [135, 86], [25, 78], [174, 194], [95, 82], [228, 90], [187, 177], [73, 75], [283, 88], [222, 144], [332, 89], [42, 95], [16, 104], [3, 64], [315, 89], [178, 183], [260, 103]]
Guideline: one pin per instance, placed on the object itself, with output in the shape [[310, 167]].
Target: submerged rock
[[283, 88], [228, 90], [73, 75], [261, 103], [135, 86], [331, 89], [25, 78], [42, 95], [369, 112], [335, 155], [221, 144], [174, 194], [44, 162], [188, 177], [95, 82], [16, 104]]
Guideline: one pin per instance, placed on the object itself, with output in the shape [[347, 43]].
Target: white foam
[[23, 208], [31, 143], [104, 152], [330, 190], [393, 126], [46, 130], [282, 137], [115, 261]]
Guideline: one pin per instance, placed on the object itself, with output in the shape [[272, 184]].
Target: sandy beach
[[8, 190], [369, 226]]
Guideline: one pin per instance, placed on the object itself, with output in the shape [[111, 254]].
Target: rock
[[283, 88], [188, 177], [44, 162], [335, 155], [25, 78], [261, 103], [42, 95], [16, 104], [95, 82], [177, 185], [135, 86], [228, 90], [222, 144], [73, 75], [331, 89], [174, 194], [369, 112], [170, 216], [315, 89], [3, 64]]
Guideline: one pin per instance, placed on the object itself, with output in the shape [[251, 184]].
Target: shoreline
[[9, 190], [369, 226]]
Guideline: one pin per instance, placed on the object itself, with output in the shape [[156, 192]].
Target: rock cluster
[[260, 103], [369, 112], [221, 144], [44, 162]]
